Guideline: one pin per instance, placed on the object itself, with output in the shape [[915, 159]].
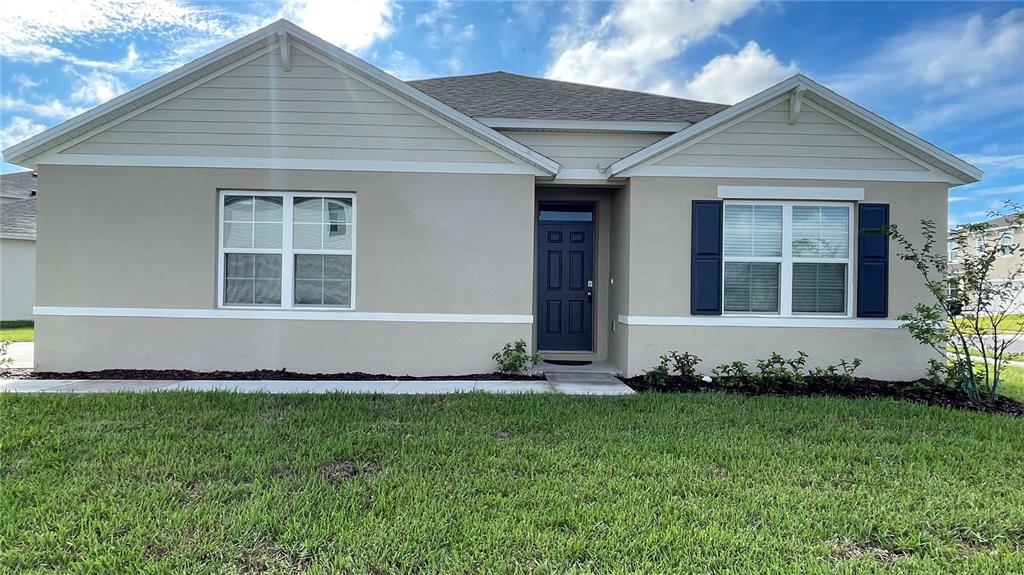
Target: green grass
[[223, 483], [1011, 323], [1012, 382], [17, 331]]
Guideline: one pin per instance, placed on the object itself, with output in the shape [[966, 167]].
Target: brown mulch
[[259, 374], [916, 391]]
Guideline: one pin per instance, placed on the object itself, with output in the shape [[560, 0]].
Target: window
[[287, 250], [1006, 244], [787, 258]]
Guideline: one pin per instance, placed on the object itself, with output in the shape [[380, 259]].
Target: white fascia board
[[19, 237], [788, 174], [656, 149], [790, 193], [583, 125], [253, 162]]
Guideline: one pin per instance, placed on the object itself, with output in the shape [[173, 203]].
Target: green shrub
[[658, 376], [842, 373], [514, 358], [684, 364], [779, 370], [731, 374]]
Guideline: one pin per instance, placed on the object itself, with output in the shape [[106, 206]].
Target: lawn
[[223, 483], [17, 331]]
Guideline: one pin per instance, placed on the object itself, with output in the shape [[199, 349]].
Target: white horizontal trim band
[[789, 193], [17, 237], [788, 173], [734, 321], [272, 314], [583, 125], [271, 163]]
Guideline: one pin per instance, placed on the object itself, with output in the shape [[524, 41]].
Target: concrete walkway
[[22, 354], [611, 386]]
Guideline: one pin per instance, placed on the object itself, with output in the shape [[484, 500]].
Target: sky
[[950, 72]]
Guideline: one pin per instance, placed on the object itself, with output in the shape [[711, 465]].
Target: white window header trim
[[791, 193]]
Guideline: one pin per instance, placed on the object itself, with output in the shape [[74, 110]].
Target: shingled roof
[[18, 184], [505, 95], [18, 219]]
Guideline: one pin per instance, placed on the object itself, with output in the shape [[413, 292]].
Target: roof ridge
[[581, 84]]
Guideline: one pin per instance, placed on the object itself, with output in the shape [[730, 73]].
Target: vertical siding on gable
[[313, 111], [584, 149], [767, 139]]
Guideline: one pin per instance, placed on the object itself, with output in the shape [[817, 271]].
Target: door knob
[[590, 297]]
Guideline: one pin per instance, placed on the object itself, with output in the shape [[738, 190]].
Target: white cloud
[[23, 82], [729, 78], [354, 25], [94, 87], [53, 108], [44, 30], [955, 199], [18, 129], [996, 163], [630, 45], [440, 9]]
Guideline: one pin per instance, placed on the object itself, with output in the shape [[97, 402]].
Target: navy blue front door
[[565, 281]]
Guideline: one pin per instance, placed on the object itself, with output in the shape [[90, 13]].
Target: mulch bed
[[862, 387], [259, 374]]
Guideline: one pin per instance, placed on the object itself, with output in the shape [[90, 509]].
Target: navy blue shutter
[[706, 258], [872, 261]]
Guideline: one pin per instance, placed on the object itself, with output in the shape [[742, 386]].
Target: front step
[[587, 383]]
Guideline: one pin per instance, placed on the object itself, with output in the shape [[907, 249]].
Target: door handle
[[590, 297]]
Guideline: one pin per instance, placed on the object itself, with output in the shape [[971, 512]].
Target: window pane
[[307, 236], [338, 210], [266, 236], [819, 288], [269, 208], [752, 287], [337, 237], [323, 280], [753, 230], [237, 235], [309, 210], [252, 279], [238, 208], [821, 232]]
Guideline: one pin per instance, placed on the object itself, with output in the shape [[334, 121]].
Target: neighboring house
[[1005, 232], [17, 245], [280, 203]]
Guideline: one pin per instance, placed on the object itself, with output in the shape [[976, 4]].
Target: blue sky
[[950, 72]]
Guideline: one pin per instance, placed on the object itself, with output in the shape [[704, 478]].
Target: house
[[1006, 233], [280, 203], [17, 245]]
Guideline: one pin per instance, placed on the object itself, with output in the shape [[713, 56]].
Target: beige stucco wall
[[17, 278], [146, 237], [659, 282]]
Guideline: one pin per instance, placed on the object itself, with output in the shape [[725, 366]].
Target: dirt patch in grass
[[845, 549], [915, 391], [258, 374], [339, 471]]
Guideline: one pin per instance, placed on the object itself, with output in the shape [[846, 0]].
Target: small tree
[[965, 321]]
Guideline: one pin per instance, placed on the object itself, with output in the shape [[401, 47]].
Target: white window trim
[[787, 260], [287, 252]]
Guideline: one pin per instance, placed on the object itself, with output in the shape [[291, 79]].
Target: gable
[[797, 129], [766, 139], [285, 94], [313, 111]]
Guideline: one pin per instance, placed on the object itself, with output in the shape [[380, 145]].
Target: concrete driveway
[[23, 354]]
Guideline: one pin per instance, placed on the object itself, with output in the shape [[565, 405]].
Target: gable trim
[[22, 152], [958, 170]]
